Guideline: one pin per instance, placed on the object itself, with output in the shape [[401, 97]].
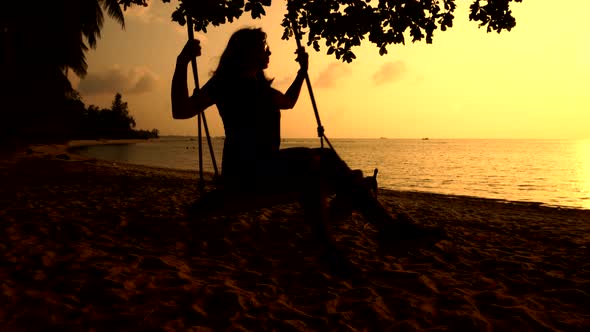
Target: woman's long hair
[[241, 53]]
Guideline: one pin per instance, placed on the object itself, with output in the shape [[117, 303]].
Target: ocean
[[549, 172]]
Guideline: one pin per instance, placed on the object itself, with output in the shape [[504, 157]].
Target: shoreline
[[71, 146], [103, 245]]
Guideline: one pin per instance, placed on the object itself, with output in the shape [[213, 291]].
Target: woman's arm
[[183, 106], [289, 99]]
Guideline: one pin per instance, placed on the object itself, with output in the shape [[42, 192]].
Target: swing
[[324, 196], [227, 201]]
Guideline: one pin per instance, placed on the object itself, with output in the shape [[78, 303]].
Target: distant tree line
[[93, 122], [41, 44]]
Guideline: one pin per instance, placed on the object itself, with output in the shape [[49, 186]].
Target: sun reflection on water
[[583, 153]]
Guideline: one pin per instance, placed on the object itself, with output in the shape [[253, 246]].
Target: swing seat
[[220, 200]]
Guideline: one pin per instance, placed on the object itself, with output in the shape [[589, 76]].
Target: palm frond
[[113, 9], [91, 21]]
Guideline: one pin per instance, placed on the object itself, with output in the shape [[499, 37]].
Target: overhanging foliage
[[343, 24]]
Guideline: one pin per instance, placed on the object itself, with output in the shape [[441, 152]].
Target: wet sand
[[88, 245]]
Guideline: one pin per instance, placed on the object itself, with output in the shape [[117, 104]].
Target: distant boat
[[425, 138], [383, 138]]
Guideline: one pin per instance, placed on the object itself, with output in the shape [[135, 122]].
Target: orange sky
[[532, 82]]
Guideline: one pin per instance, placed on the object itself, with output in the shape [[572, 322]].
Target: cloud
[[329, 76], [116, 79], [283, 82], [144, 14], [158, 14], [389, 72]]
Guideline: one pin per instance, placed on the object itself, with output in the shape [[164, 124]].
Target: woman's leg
[[353, 189], [301, 169], [309, 169], [318, 173]]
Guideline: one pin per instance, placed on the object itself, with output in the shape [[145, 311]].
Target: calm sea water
[[551, 172]]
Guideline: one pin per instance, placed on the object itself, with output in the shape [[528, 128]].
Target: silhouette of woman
[[248, 105], [250, 110]]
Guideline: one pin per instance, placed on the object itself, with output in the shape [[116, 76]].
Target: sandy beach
[[90, 245]]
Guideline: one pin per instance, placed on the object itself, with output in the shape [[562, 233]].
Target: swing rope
[[202, 121], [321, 133]]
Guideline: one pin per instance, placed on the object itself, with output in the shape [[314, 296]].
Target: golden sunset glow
[[584, 170], [531, 82]]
